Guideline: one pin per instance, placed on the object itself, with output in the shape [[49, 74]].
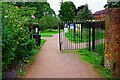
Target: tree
[[85, 13], [42, 8], [112, 5], [67, 11], [49, 22]]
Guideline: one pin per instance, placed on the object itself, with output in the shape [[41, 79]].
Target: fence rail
[[81, 34]]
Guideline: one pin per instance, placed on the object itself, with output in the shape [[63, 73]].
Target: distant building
[[100, 15]]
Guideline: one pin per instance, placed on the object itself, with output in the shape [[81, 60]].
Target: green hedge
[[16, 42]]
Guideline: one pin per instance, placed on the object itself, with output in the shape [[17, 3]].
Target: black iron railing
[[89, 34]]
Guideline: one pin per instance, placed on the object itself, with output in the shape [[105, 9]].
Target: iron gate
[[74, 35]]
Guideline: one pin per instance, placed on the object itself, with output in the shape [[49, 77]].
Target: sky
[[94, 5]]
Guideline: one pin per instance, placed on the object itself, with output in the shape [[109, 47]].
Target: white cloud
[[55, 4], [94, 5]]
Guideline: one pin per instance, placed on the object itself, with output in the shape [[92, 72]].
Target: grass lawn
[[100, 49], [96, 61], [48, 33], [76, 37]]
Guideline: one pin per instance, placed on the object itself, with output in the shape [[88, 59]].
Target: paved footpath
[[51, 63]]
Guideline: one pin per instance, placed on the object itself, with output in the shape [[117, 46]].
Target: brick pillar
[[112, 46]]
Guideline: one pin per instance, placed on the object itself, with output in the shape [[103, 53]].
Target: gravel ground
[[51, 63]]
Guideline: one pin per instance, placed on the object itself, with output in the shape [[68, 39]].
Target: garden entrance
[[74, 35]]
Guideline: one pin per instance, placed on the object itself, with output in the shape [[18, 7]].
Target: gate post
[[89, 35], [112, 46], [59, 37], [93, 36]]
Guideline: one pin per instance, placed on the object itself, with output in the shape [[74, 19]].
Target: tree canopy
[[85, 13], [44, 14], [67, 11], [49, 22], [42, 8], [112, 5]]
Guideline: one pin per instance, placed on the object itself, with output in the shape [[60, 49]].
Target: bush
[[16, 44], [49, 22]]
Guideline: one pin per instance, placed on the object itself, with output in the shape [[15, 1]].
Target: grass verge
[[27, 63], [96, 61], [100, 49]]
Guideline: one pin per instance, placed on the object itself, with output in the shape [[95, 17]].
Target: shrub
[[49, 22], [16, 42]]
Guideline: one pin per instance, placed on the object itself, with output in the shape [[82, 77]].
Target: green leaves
[[17, 44], [85, 13], [49, 22], [41, 8], [112, 5], [67, 11], [96, 60]]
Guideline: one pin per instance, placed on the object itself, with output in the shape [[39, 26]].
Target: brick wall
[[112, 46]]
